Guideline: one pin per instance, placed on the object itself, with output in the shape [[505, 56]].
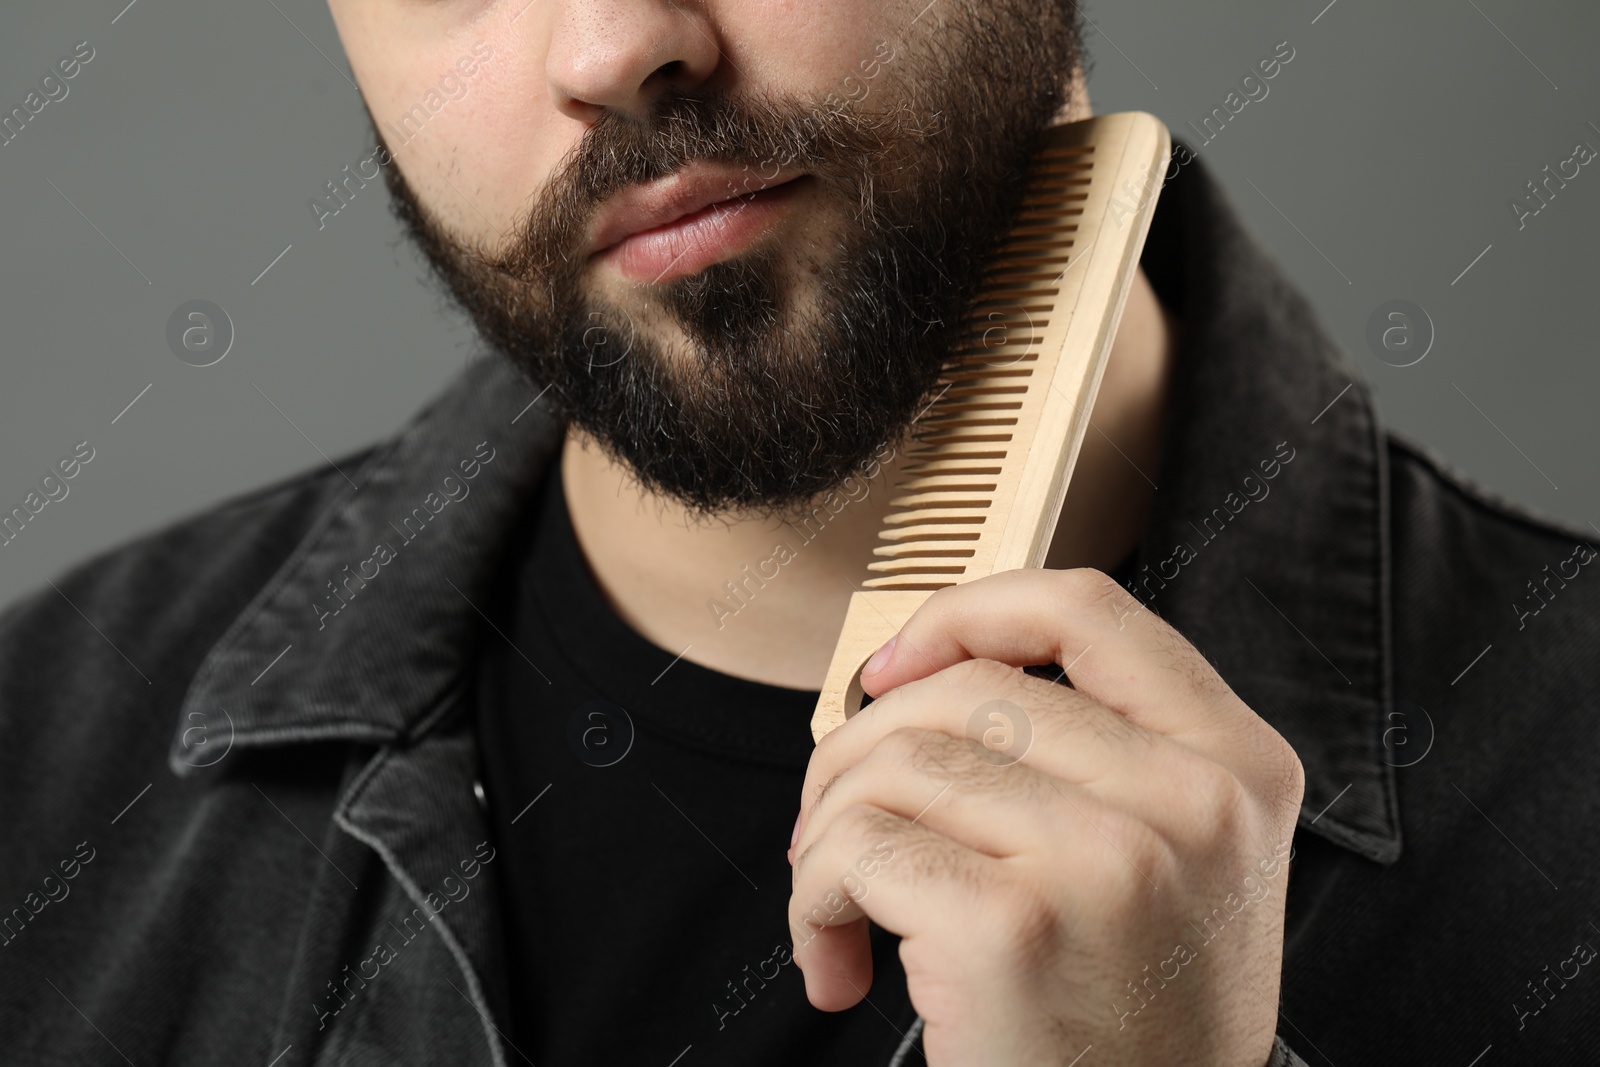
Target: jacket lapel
[[367, 633]]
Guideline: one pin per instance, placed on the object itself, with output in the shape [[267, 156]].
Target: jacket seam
[[1385, 580], [358, 787], [268, 494], [478, 1000], [1482, 496], [334, 508], [341, 818]]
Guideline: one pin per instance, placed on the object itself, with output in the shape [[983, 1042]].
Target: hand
[[1102, 864]]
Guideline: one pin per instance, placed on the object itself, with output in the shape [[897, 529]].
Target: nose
[[619, 55]]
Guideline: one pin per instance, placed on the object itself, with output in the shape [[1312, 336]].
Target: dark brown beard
[[787, 391]]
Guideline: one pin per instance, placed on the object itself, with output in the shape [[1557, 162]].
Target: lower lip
[[692, 243]]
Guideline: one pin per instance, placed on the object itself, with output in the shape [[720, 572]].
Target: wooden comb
[[981, 489]]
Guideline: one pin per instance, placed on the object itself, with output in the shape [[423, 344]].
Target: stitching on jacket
[[479, 1002], [1385, 582], [1477, 493], [341, 818], [331, 511]]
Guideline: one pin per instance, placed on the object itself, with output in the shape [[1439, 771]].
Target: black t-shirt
[[643, 805]]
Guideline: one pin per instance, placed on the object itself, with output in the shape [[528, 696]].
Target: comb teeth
[[965, 449], [981, 486]]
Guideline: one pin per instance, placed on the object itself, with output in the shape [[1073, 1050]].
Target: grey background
[[179, 166]]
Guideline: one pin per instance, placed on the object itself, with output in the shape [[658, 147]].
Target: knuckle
[[986, 674], [1180, 655], [855, 823], [1217, 801], [1135, 879], [1020, 924], [1294, 770], [1290, 776], [908, 746], [1133, 860], [1087, 585], [860, 822], [1064, 713], [1093, 592], [823, 754], [1274, 767], [824, 789]]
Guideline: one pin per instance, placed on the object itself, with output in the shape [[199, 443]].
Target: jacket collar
[[369, 628], [1286, 588]]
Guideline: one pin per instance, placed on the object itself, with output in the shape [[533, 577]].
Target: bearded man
[[476, 747]]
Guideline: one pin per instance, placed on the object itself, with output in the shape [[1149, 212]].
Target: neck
[[764, 600]]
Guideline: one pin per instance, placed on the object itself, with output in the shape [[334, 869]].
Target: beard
[[757, 384]]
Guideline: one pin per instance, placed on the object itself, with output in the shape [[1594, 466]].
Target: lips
[[680, 224], [684, 192]]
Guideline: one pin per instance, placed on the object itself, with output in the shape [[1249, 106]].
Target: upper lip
[[683, 192]]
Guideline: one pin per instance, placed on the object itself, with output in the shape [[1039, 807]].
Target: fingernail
[[880, 658]]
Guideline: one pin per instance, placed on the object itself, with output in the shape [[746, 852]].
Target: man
[[486, 758]]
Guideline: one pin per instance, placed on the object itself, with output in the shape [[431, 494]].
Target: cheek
[[476, 159], [482, 157], [479, 159], [810, 47], [508, 129]]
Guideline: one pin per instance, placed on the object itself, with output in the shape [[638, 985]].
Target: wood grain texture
[[981, 489]]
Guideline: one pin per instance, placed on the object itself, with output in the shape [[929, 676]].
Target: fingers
[[1115, 650], [945, 899], [1017, 717], [958, 788], [871, 863], [837, 963], [946, 784]]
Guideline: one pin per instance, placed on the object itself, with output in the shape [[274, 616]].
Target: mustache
[[764, 134]]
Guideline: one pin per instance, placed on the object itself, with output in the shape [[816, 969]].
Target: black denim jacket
[[237, 766]]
